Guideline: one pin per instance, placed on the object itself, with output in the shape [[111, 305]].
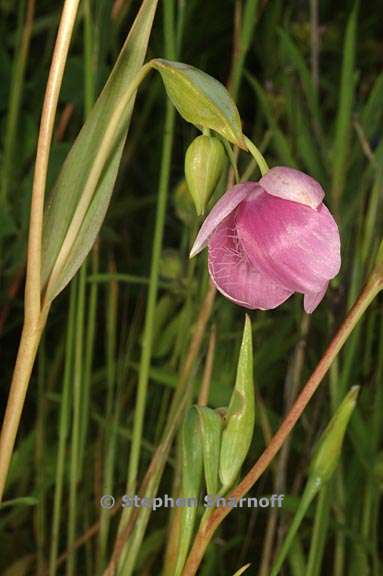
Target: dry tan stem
[[34, 316]]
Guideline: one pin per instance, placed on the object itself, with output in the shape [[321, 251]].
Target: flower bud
[[329, 448], [192, 464], [204, 161], [211, 431], [236, 437]]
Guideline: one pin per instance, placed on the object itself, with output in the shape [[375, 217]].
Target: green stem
[[63, 433], [154, 472], [304, 503], [246, 37], [76, 424], [167, 146], [152, 298], [15, 99], [257, 155], [111, 418], [319, 533]]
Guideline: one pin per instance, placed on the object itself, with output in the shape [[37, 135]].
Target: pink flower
[[271, 238]]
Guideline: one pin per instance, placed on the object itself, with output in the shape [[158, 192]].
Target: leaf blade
[[67, 192]]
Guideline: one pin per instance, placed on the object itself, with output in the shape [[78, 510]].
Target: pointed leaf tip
[[236, 437]]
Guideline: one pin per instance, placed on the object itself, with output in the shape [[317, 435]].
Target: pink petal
[[235, 277], [294, 185], [296, 246], [312, 300], [225, 206]]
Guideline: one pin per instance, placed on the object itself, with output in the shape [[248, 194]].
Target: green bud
[[191, 452], [205, 160], [237, 435], [201, 99], [326, 456], [211, 429]]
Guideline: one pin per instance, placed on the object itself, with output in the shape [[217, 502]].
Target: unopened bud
[[237, 435], [328, 452], [204, 161]]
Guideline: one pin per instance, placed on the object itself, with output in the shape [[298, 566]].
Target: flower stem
[[207, 529], [29, 343], [258, 157], [35, 315]]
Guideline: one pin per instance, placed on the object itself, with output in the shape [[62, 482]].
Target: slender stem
[[256, 154], [15, 99], [154, 472], [314, 41], [206, 531], [307, 497], [63, 432], [76, 420], [167, 147], [319, 532], [29, 342], [243, 37], [33, 280], [34, 315]]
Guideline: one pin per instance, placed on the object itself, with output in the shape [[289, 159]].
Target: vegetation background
[[308, 81]]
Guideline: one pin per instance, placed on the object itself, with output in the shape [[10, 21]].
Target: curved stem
[[206, 531], [33, 280], [35, 315], [26, 355], [257, 155]]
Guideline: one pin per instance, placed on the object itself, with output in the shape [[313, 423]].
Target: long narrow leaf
[[72, 179], [343, 120]]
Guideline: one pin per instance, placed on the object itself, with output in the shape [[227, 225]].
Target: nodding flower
[[269, 239]]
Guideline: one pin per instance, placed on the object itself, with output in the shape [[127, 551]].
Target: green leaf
[[280, 142], [290, 50], [340, 152], [22, 501], [373, 109], [201, 99], [242, 570], [211, 430], [237, 435], [69, 189]]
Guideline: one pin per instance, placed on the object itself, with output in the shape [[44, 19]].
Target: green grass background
[[315, 107]]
